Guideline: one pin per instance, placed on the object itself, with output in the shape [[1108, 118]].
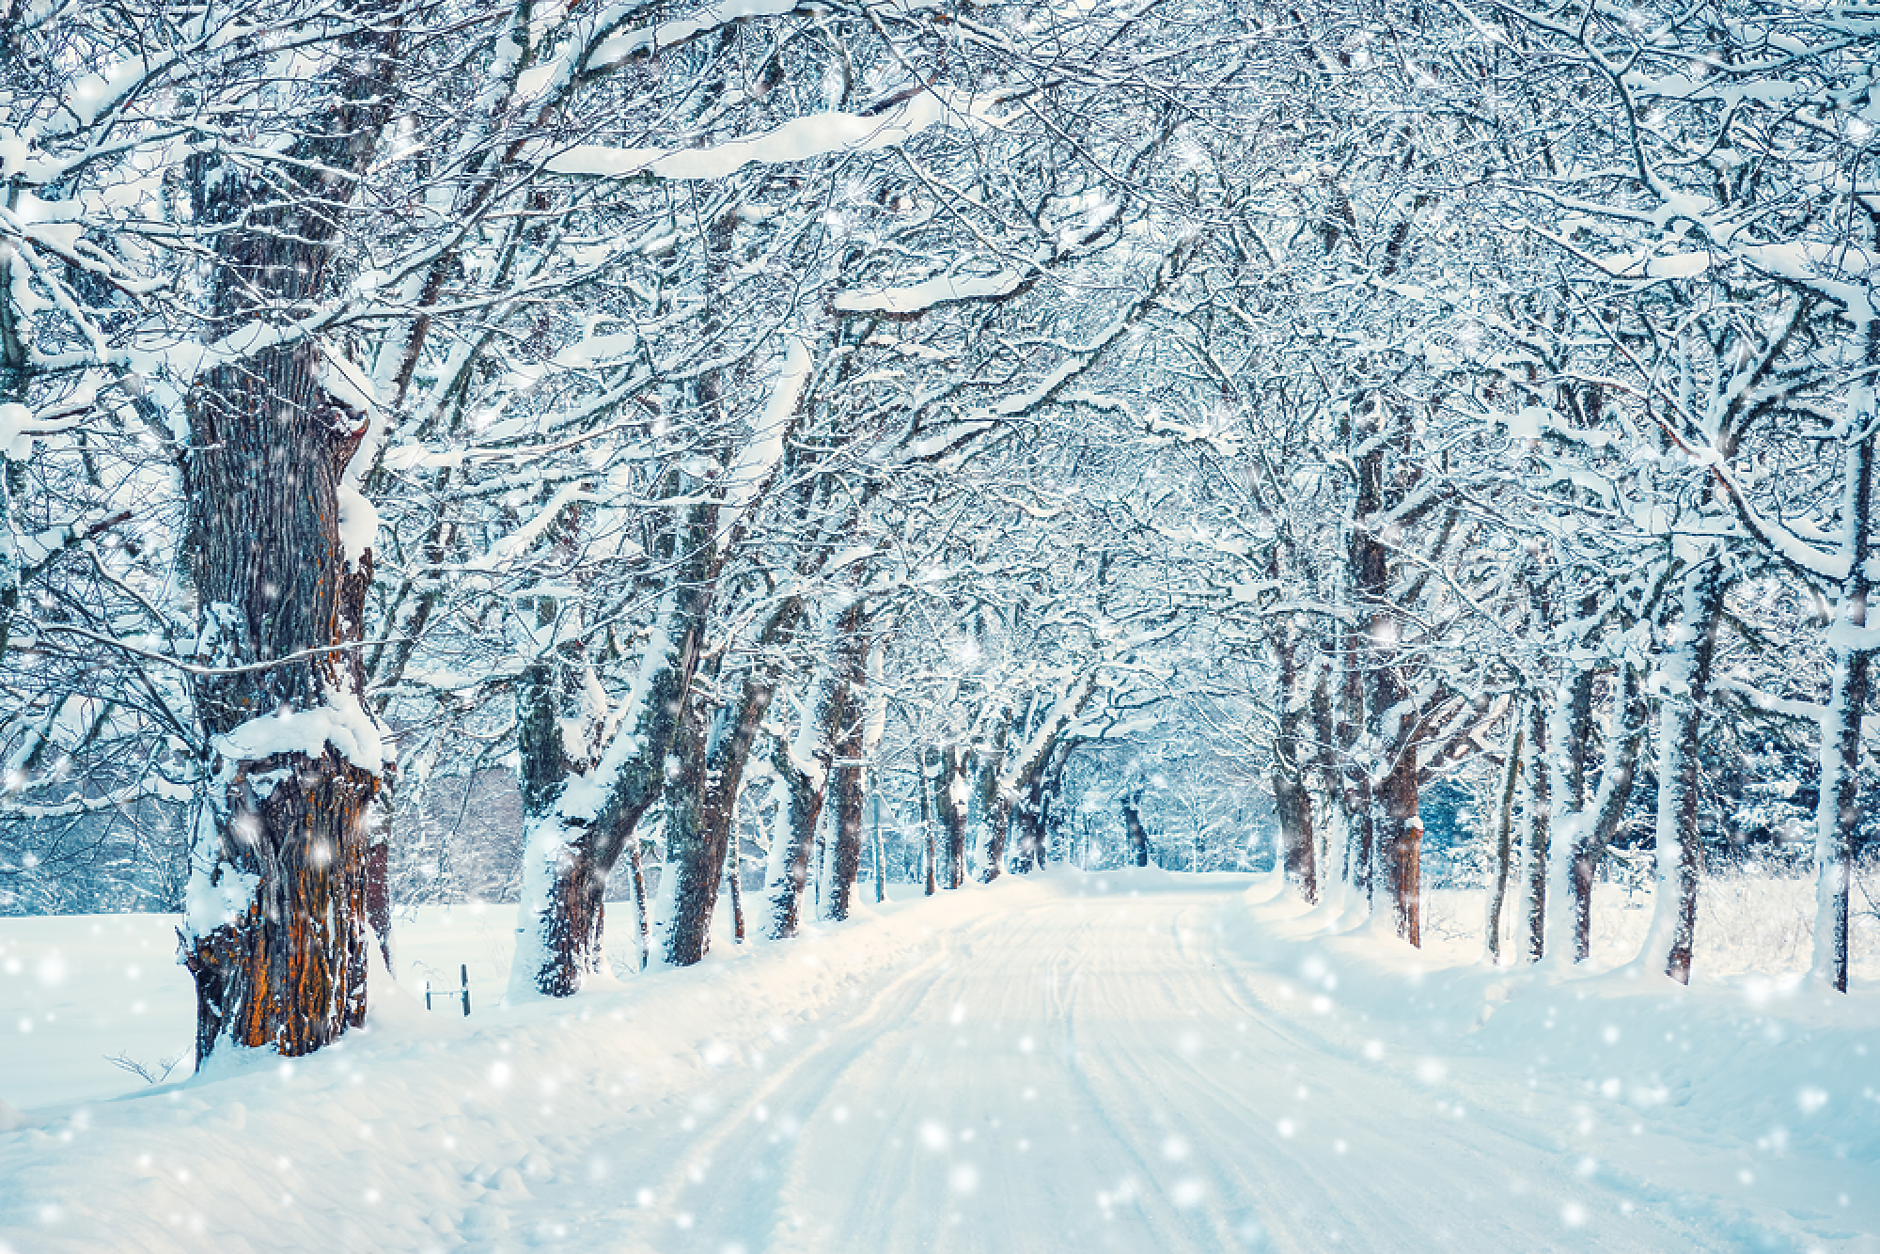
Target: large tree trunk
[[1685, 671], [276, 931]]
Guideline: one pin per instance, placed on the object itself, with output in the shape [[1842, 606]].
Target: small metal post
[[427, 994], [464, 970]]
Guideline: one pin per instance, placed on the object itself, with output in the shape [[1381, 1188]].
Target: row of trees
[[654, 402]]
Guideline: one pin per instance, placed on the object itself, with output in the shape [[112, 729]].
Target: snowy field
[[1134, 1061]]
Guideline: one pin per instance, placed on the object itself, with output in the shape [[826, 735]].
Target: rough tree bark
[[275, 935]]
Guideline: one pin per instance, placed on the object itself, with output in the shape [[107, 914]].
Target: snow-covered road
[[1085, 1073], [1116, 1062]]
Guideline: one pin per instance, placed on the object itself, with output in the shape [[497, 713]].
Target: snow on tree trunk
[[1537, 831], [1292, 803], [1355, 787], [804, 763], [1132, 823], [924, 783], [1504, 839], [849, 749], [278, 547], [1330, 849], [704, 775], [1569, 733], [1393, 829], [950, 797], [1838, 812], [1609, 804], [572, 846], [995, 804], [1683, 684]]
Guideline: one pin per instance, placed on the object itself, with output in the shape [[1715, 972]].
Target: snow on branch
[[799, 139], [919, 297]]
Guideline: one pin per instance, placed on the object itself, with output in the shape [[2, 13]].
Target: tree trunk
[[881, 855], [995, 804], [641, 909], [1537, 814], [1132, 823], [950, 794], [710, 755], [848, 745], [924, 786], [1393, 834], [1838, 812], [1685, 668], [1039, 813], [1609, 805], [802, 811], [733, 869], [572, 843], [1292, 803], [805, 765], [1403, 843], [1329, 850], [1504, 839], [688, 883], [275, 935], [1355, 785], [379, 876]]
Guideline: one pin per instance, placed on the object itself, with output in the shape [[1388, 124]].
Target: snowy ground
[[1134, 1061]]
